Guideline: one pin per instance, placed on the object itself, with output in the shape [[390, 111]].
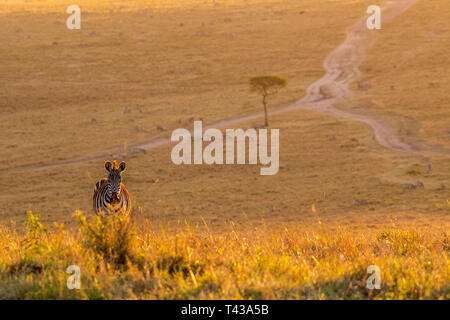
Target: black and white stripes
[[110, 195]]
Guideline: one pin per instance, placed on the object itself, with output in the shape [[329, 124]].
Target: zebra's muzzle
[[115, 196]]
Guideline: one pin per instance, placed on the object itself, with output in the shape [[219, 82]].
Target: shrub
[[112, 237]]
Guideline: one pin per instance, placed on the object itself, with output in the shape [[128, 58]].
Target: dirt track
[[341, 69]]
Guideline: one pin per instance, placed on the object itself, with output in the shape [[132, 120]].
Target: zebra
[[110, 195]]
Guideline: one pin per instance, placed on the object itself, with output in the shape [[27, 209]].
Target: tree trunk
[[265, 110]]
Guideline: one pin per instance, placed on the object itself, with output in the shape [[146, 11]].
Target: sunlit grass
[[119, 262]]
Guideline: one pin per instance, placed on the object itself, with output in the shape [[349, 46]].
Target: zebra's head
[[114, 178]]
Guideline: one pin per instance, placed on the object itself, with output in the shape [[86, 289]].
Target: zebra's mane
[[115, 166]]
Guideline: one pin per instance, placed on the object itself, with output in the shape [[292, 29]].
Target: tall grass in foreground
[[119, 262]]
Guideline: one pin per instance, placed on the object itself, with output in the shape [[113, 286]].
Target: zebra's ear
[[122, 166], [108, 165]]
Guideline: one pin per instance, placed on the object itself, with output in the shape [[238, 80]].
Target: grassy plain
[[408, 75], [135, 66]]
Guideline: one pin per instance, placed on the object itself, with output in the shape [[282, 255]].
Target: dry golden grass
[[66, 94], [118, 262], [166, 66], [409, 74], [408, 79], [170, 194], [145, 62]]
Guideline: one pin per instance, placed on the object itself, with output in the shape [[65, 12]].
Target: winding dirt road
[[341, 68]]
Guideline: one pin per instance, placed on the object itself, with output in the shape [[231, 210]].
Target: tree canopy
[[267, 85]]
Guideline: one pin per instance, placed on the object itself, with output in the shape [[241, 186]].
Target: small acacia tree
[[266, 86]]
